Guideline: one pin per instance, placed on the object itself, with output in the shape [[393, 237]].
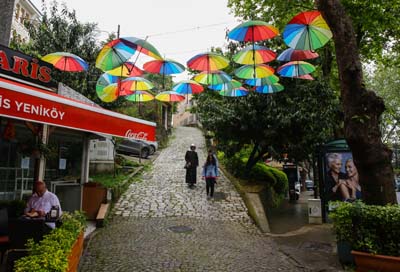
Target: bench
[[101, 214]]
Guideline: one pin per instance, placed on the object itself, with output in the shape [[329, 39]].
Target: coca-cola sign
[[136, 135]]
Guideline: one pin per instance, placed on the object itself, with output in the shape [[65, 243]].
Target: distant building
[[183, 116], [24, 11]]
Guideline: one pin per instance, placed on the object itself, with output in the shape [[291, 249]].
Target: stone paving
[[222, 236]]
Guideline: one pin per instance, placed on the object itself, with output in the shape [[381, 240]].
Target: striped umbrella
[[142, 46], [132, 84], [254, 55], [295, 69], [187, 87], [254, 71], [262, 81], [291, 54], [237, 92], [226, 86], [113, 55], [253, 31], [140, 96], [267, 89], [212, 78], [66, 62], [127, 69], [163, 67], [306, 77], [107, 88], [170, 96], [208, 62]]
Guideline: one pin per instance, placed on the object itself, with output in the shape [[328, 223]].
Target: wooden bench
[[101, 214]]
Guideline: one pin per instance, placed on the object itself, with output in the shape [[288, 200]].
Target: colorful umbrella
[[306, 77], [233, 84], [212, 78], [105, 80], [291, 54], [170, 96], [208, 62], [140, 96], [142, 46], [163, 67], [114, 54], [188, 87], [262, 81], [295, 69], [307, 31], [254, 71], [108, 93], [235, 92], [254, 55], [127, 69], [66, 62], [132, 84], [267, 89], [253, 31]]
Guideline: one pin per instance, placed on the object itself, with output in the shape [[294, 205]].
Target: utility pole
[[6, 18], [118, 31]]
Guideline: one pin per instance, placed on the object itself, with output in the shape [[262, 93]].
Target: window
[[17, 10]]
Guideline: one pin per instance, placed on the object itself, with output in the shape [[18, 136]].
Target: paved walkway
[[220, 235]]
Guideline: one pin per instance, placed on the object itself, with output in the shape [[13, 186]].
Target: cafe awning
[[25, 102]]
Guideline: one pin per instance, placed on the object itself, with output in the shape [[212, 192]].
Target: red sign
[[24, 102]]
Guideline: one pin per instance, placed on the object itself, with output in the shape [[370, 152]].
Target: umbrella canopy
[[140, 96], [208, 62], [262, 81], [267, 89], [307, 31], [254, 71], [253, 31], [170, 96], [113, 55], [254, 55], [233, 84], [291, 54], [306, 77], [163, 67], [109, 93], [127, 69], [212, 78], [66, 62], [237, 92], [188, 87], [295, 69], [136, 84], [142, 46], [105, 80]]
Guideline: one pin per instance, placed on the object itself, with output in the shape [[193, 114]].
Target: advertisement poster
[[341, 177]]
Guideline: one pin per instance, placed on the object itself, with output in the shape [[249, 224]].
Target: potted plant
[[373, 234]]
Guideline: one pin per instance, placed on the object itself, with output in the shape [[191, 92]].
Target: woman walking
[[210, 173], [192, 161]]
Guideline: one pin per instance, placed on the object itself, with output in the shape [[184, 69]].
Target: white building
[[24, 11]]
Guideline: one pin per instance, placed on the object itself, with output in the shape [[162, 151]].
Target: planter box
[[75, 255], [366, 262]]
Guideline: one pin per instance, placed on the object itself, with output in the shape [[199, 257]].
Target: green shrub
[[368, 228], [51, 254]]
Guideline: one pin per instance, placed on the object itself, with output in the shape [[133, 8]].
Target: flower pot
[[344, 252], [75, 255], [366, 262]]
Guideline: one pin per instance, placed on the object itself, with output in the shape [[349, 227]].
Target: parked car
[[309, 185], [153, 146], [134, 147]]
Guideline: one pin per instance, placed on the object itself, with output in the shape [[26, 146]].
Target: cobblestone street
[[219, 236]]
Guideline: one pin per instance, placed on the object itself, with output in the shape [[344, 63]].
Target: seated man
[[41, 202]]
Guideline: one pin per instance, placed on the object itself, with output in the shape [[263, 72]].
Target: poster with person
[[341, 177]]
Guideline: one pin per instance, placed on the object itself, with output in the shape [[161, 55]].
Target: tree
[[362, 108]]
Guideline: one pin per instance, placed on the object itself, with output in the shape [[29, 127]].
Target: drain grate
[[218, 196], [180, 229]]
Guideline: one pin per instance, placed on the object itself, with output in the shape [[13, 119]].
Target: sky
[[179, 29]]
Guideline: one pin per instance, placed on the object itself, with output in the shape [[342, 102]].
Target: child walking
[[210, 173]]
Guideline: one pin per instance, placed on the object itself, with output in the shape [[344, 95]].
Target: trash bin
[[314, 211]]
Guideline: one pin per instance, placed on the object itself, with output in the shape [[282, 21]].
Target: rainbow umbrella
[[212, 78], [291, 54], [295, 69], [140, 96], [67, 62], [109, 93], [237, 92], [233, 84], [254, 55], [267, 89], [132, 84], [170, 96], [188, 87], [307, 31], [254, 71], [306, 77], [208, 62], [253, 31], [163, 67], [142, 46], [105, 80], [127, 69], [114, 54], [262, 81]]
